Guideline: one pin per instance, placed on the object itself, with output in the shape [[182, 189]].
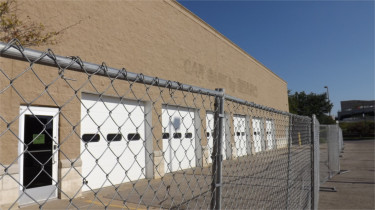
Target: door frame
[[45, 111]]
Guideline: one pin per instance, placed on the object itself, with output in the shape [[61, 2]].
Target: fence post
[[312, 162], [289, 158], [217, 156], [315, 180]]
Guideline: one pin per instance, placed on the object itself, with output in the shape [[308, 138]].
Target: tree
[[28, 32], [308, 104]]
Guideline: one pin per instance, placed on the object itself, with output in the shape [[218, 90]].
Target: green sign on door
[[38, 138]]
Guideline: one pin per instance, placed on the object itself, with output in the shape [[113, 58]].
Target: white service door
[[37, 148], [117, 132], [179, 144], [239, 124], [270, 134], [257, 134]]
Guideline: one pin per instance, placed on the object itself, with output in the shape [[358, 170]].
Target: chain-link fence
[[341, 139], [98, 137], [324, 172], [331, 147]]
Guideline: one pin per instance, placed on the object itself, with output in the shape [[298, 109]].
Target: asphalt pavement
[[242, 179], [355, 185]]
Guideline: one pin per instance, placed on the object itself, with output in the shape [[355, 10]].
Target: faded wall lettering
[[215, 78]]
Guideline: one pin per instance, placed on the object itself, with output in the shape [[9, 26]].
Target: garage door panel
[[184, 153], [257, 134], [110, 116], [107, 110], [270, 134], [209, 135], [179, 151], [210, 138], [239, 123], [92, 152]]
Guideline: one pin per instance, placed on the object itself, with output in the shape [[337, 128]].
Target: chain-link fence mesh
[[331, 146], [324, 172], [341, 140], [98, 137], [331, 134]]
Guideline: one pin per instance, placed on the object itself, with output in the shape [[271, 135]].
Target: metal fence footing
[[343, 171], [328, 189]]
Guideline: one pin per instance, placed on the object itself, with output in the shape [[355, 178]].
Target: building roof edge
[[211, 29]]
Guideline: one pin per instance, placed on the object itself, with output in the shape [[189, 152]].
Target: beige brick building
[[157, 38]]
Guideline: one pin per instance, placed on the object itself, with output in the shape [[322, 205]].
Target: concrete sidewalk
[[355, 189]]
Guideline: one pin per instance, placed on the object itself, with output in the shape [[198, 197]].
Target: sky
[[309, 44]]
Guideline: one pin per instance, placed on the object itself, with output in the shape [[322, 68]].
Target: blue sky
[[310, 44]]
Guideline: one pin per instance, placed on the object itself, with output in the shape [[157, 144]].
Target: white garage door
[[210, 137], [112, 146], [178, 138], [270, 134], [209, 134], [239, 124], [257, 134]]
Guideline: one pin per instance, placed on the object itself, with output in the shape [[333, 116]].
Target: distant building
[[356, 110]]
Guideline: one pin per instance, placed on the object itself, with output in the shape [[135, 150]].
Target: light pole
[[329, 113]]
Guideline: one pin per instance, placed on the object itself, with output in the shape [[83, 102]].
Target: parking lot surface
[[355, 187]]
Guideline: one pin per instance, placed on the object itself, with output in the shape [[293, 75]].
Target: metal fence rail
[[98, 137]]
